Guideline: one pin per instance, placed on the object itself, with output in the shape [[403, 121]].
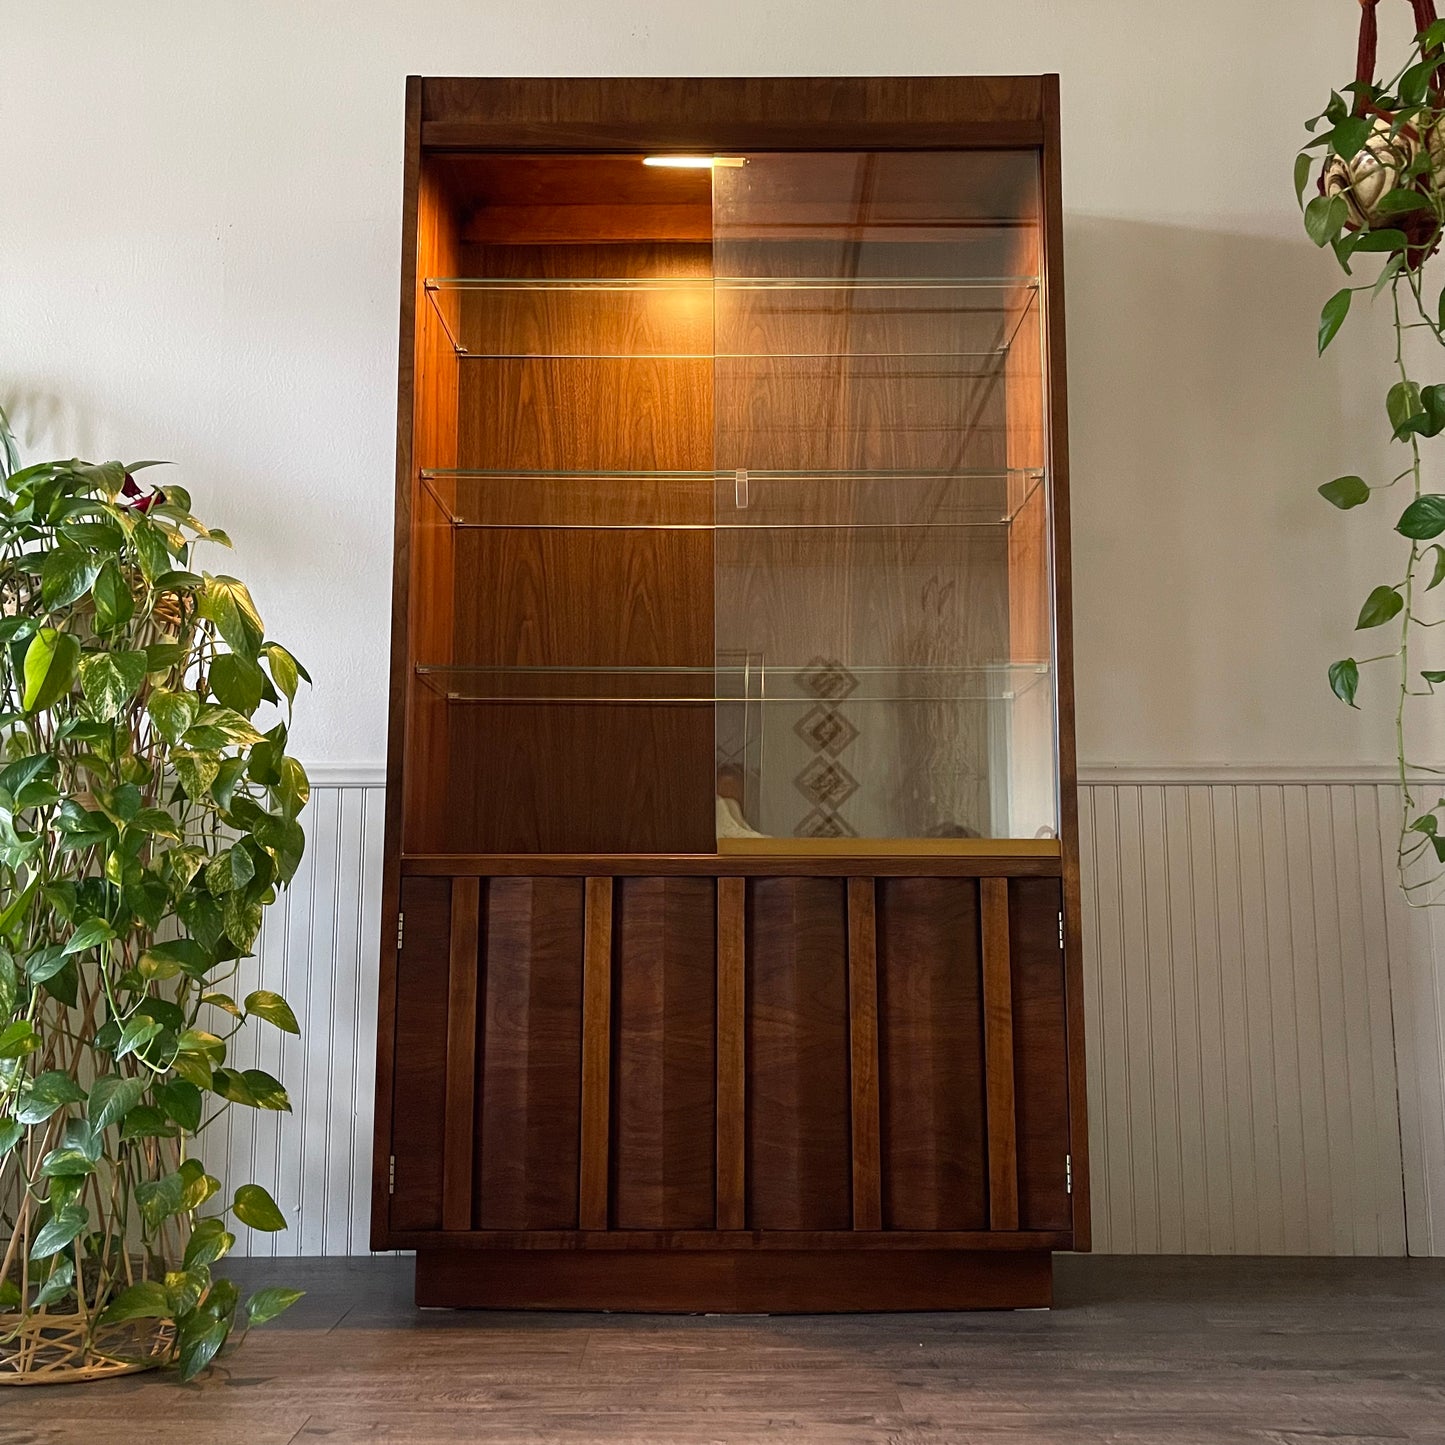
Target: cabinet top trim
[[734, 113]]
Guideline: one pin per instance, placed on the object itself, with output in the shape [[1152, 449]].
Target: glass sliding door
[[881, 603]]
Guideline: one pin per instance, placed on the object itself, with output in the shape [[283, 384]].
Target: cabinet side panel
[[664, 1061], [1041, 1072], [935, 1168], [420, 1088], [799, 1146], [530, 1080]]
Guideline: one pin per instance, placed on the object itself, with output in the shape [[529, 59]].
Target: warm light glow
[[686, 163]]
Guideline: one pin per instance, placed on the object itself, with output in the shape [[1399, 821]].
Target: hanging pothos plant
[[1378, 159], [145, 823]]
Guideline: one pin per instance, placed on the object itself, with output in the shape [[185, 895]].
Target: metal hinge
[[1068, 1173], [391, 1174], [400, 929], [1061, 930]]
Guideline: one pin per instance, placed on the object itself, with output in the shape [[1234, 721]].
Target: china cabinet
[[732, 944]]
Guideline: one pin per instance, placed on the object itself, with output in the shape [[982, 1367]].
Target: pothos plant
[[146, 820], [1378, 159]]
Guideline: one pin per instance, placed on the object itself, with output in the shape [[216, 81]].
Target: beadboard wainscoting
[[1265, 1021]]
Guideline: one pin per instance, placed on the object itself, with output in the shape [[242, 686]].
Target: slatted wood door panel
[[663, 1156], [419, 1092], [931, 1054], [798, 1144], [1040, 1053], [529, 1074]]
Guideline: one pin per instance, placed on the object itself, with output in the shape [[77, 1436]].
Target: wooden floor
[[1138, 1352]]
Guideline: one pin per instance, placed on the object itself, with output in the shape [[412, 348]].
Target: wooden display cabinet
[[732, 956]]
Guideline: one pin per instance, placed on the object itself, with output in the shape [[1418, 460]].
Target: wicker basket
[[64, 1349]]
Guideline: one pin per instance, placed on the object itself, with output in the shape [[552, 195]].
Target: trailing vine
[[1378, 161]]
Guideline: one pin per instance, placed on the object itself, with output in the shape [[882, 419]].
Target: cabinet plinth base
[[770, 1281]]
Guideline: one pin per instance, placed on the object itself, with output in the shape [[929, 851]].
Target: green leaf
[[136, 1034], [1302, 163], [196, 771], [1415, 82], [92, 932], [114, 604], [65, 575], [1332, 316], [264, 1004], [227, 603], [266, 1304], [150, 546], [110, 679], [111, 1098], [45, 963], [146, 1121], [285, 841], [1438, 575], [47, 1093], [225, 1002], [1345, 492], [210, 1240], [67, 1162], [199, 1341], [285, 670], [1423, 518], [1404, 408], [62, 1228], [144, 1301], [184, 955], [1324, 216], [1386, 239], [1401, 202], [294, 789], [242, 920], [185, 1288], [57, 1286], [18, 1039], [172, 712], [229, 870], [160, 1198], [182, 1103], [254, 1206], [1349, 135], [1380, 606], [11, 1133], [197, 1185], [51, 661], [237, 682]]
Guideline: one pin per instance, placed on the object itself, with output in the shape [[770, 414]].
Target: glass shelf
[[738, 500], [733, 318], [805, 685]]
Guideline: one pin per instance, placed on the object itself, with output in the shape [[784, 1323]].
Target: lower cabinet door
[[903, 1057]]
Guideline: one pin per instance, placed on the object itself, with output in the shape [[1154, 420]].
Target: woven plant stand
[[65, 1349]]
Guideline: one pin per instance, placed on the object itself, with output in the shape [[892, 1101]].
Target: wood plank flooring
[[1138, 1352]]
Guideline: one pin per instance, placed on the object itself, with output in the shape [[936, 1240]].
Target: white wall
[[198, 260]]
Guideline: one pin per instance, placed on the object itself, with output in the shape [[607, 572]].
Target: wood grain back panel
[[530, 1075], [799, 1144], [1041, 1060], [584, 777], [430, 555], [420, 1088], [935, 1162], [581, 779], [664, 1072]]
